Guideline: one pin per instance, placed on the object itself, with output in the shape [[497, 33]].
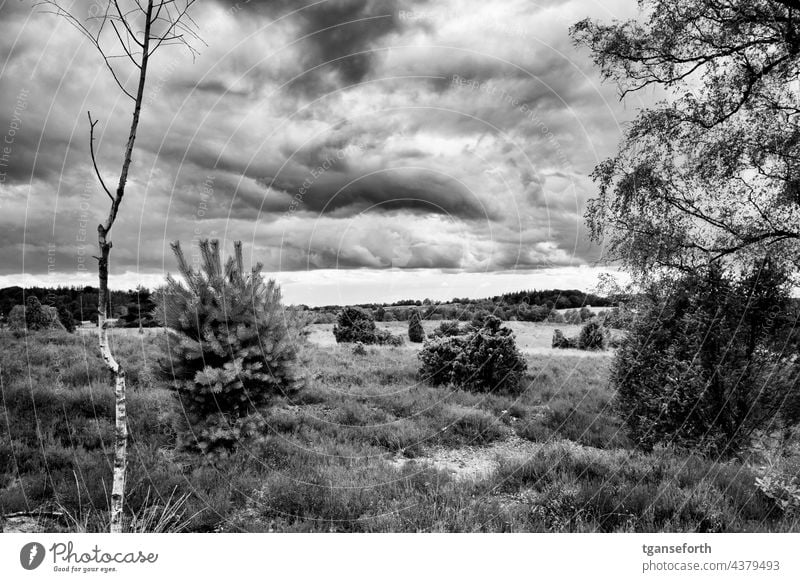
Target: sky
[[362, 150]]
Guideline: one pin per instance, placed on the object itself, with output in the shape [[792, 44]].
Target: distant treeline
[[135, 306], [532, 305], [77, 304]]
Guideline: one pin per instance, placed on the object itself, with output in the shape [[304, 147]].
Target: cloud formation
[[345, 134]]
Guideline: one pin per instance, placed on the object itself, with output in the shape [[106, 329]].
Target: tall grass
[[328, 463]]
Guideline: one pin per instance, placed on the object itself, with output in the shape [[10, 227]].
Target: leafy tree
[[233, 350], [416, 333], [712, 361], [712, 172]]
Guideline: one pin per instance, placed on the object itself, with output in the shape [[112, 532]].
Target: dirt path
[[472, 463]]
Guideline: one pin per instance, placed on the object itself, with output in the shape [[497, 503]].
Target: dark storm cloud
[[338, 35], [414, 190], [434, 174]]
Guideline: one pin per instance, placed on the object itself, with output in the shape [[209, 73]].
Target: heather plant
[[233, 349], [416, 333], [486, 360]]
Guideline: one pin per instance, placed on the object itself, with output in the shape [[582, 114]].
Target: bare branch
[[94, 160]]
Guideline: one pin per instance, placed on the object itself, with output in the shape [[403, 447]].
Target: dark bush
[[416, 333], [486, 360], [356, 324], [448, 329], [563, 342], [711, 362], [384, 337], [593, 336]]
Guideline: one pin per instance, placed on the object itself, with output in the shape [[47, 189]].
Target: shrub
[[384, 337], [572, 316], [563, 342], [354, 324], [555, 317], [448, 329], [233, 349], [593, 336], [34, 316], [437, 357], [710, 362], [586, 314], [486, 360], [416, 333]]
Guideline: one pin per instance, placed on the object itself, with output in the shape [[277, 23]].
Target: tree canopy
[[711, 173]]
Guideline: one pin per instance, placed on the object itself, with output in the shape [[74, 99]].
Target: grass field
[[366, 447]]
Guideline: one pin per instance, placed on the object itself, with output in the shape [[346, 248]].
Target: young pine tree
[[233, 348]]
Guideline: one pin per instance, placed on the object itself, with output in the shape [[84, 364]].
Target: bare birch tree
[[126, 34]]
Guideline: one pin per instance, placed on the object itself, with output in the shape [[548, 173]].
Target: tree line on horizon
[[136, 307]]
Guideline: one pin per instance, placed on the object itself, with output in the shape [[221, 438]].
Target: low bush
[[593, 336], [449, 329], [563, 342], [486, 360], [356, 324]]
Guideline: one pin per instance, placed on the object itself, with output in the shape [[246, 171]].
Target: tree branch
[[94, 160]]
